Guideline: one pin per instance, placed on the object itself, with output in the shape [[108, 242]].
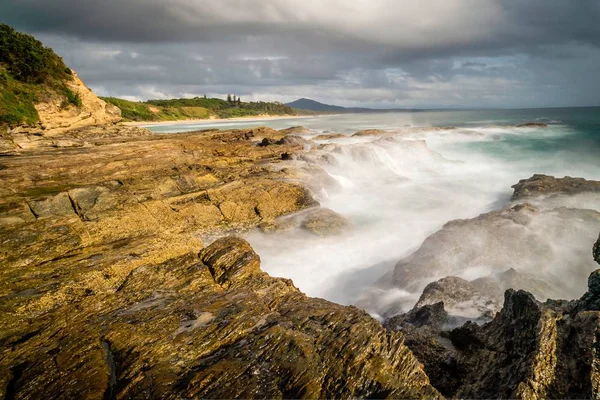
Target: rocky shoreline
[[105, 294], [109, 289]]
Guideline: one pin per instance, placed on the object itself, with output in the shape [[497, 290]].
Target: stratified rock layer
[[212, 326], [107, 291]]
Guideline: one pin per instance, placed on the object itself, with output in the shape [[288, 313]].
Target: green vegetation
[[29, 73], [71, 98], [16, 101], [196, 108]]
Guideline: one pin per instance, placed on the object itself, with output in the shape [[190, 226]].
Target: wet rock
[[318, 221], [431, 315], [370, 132], [505, 239], [296, 140], [530, 350], [266, 142], [544, 185], [330, 136], [324, 222], [294, 130], [532, 125], [459, 297]]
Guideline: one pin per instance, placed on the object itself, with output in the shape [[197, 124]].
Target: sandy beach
[[215, 120]]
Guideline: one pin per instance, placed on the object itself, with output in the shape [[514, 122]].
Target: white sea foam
[[397, 191]]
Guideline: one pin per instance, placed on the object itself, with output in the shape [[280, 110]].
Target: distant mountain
[[312, 105]]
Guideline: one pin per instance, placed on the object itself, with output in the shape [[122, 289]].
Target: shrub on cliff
[[27, 59], [29, 73]]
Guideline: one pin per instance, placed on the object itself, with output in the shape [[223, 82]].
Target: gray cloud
[[365, 52]]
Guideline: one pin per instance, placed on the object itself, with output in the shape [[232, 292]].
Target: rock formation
[[548, 185], [504, 246], [207, 326], [108, 292], [55, 119], [530, 350], [330, 136]]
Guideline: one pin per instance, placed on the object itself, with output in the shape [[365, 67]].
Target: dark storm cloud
[[369, 52]]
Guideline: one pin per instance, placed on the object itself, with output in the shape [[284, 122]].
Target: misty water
[[398, 190]]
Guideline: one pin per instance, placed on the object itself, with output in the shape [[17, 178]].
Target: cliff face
[[55, 119], [40, 95]]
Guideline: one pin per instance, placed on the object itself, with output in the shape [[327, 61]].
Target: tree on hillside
[[239, 102], [229, 98]]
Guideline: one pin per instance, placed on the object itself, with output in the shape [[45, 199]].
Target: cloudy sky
[[384, 53]]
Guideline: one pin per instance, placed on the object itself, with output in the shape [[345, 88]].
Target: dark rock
[[596, 251], [431, 315], [532, 125], [267, 142], [530, 350]]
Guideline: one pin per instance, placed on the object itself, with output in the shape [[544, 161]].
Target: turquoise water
[[571, 144]]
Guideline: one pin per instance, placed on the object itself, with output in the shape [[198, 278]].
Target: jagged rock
[[230, 259], [430, 315], [530, 350], [517, 236], [171, 330], [544, 184], [459, 297]]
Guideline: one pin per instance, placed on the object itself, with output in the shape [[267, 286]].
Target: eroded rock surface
[[547, 185], [530, 350], [212, 326], [107, 291]]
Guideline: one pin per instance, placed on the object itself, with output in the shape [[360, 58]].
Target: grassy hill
[[29, 73], [196, 108]]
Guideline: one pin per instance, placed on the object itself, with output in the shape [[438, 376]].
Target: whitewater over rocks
[[131, 268]]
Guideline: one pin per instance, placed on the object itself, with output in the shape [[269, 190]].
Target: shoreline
[[215, 120]]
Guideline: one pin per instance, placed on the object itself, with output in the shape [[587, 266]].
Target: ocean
[[398, 192]]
